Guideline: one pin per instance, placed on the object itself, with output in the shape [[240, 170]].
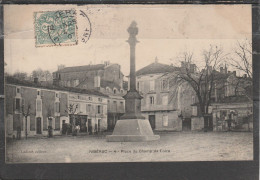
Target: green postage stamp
[[55, 28]]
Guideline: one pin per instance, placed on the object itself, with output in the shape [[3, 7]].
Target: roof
[[15, 81], [82, 68], [156, 68], [109, 84], [233, 99]]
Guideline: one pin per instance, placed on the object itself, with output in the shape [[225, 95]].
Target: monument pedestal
[[132, 130]]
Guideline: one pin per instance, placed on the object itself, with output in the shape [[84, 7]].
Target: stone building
[[165, 103], [48, 107], [231, 98], [106, 78]]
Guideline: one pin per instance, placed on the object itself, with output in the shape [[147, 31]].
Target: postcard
[[128, 83]]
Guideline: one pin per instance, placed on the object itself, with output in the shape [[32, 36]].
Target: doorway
[[89, 126], [38, 125], [99, 121], [208, 123], [152, 121], [186, 124]]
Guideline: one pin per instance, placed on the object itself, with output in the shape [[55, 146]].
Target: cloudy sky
[[165, 31]]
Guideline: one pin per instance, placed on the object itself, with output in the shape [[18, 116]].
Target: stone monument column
[[132, 98], [132, 126]]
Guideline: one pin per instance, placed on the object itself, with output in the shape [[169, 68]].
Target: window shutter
[[22, 104], [101, 109], [14, 105]]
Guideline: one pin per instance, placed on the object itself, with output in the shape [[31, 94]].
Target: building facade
[[106, 78], [231, 100], [47, 107], [166, 104]]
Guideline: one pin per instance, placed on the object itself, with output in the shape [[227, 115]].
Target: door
[[186, 124], [83, 127], [208, 123], [38, 125], [152, 121], [99, 120], [89, 126]]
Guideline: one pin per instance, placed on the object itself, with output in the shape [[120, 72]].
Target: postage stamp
[[55, 28]]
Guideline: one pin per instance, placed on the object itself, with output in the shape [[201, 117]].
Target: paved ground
[[179, 146]]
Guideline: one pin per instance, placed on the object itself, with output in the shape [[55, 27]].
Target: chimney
[[221, 70], [156, 60], [35, 80], [235, 73], [107, 63], [225, 69]]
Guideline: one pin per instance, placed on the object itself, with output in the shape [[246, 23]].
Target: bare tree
[[20, 75], [242, 62], [202, 80], [42, 75], [242, 59], [72, 110]]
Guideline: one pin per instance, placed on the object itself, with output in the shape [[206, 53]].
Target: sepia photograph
[[128, 83]]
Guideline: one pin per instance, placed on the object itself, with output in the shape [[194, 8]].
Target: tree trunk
[[74, 131]]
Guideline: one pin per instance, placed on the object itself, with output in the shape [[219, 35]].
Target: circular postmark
[[55, 28], [86, 25]]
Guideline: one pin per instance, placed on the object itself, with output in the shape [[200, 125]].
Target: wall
[[197, 123], [113, 73], [174, 122]]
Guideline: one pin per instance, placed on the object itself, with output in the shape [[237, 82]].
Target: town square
[[174, 146], [139, 88]]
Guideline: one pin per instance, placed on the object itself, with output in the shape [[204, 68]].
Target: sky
[[165, 31]]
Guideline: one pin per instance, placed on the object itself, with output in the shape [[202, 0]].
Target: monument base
[[132, 130]]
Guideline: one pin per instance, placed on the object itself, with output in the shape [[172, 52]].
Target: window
[[68, 83], [88, 107], [38, 93], [122, 91], [164, 84], [100, 99], [121, 105], [99, 109], [165, 100], [141, 84], [17, 104], [76, 82], [38, 105], [90, 98], [114, 105], [18, 90], [114, 91], [193, 99], [165, 120], [107, 89], [138, 86], [151, 100], [57, 107], [151, 85]]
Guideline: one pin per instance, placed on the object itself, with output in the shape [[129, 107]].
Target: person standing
[[18, 132]]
